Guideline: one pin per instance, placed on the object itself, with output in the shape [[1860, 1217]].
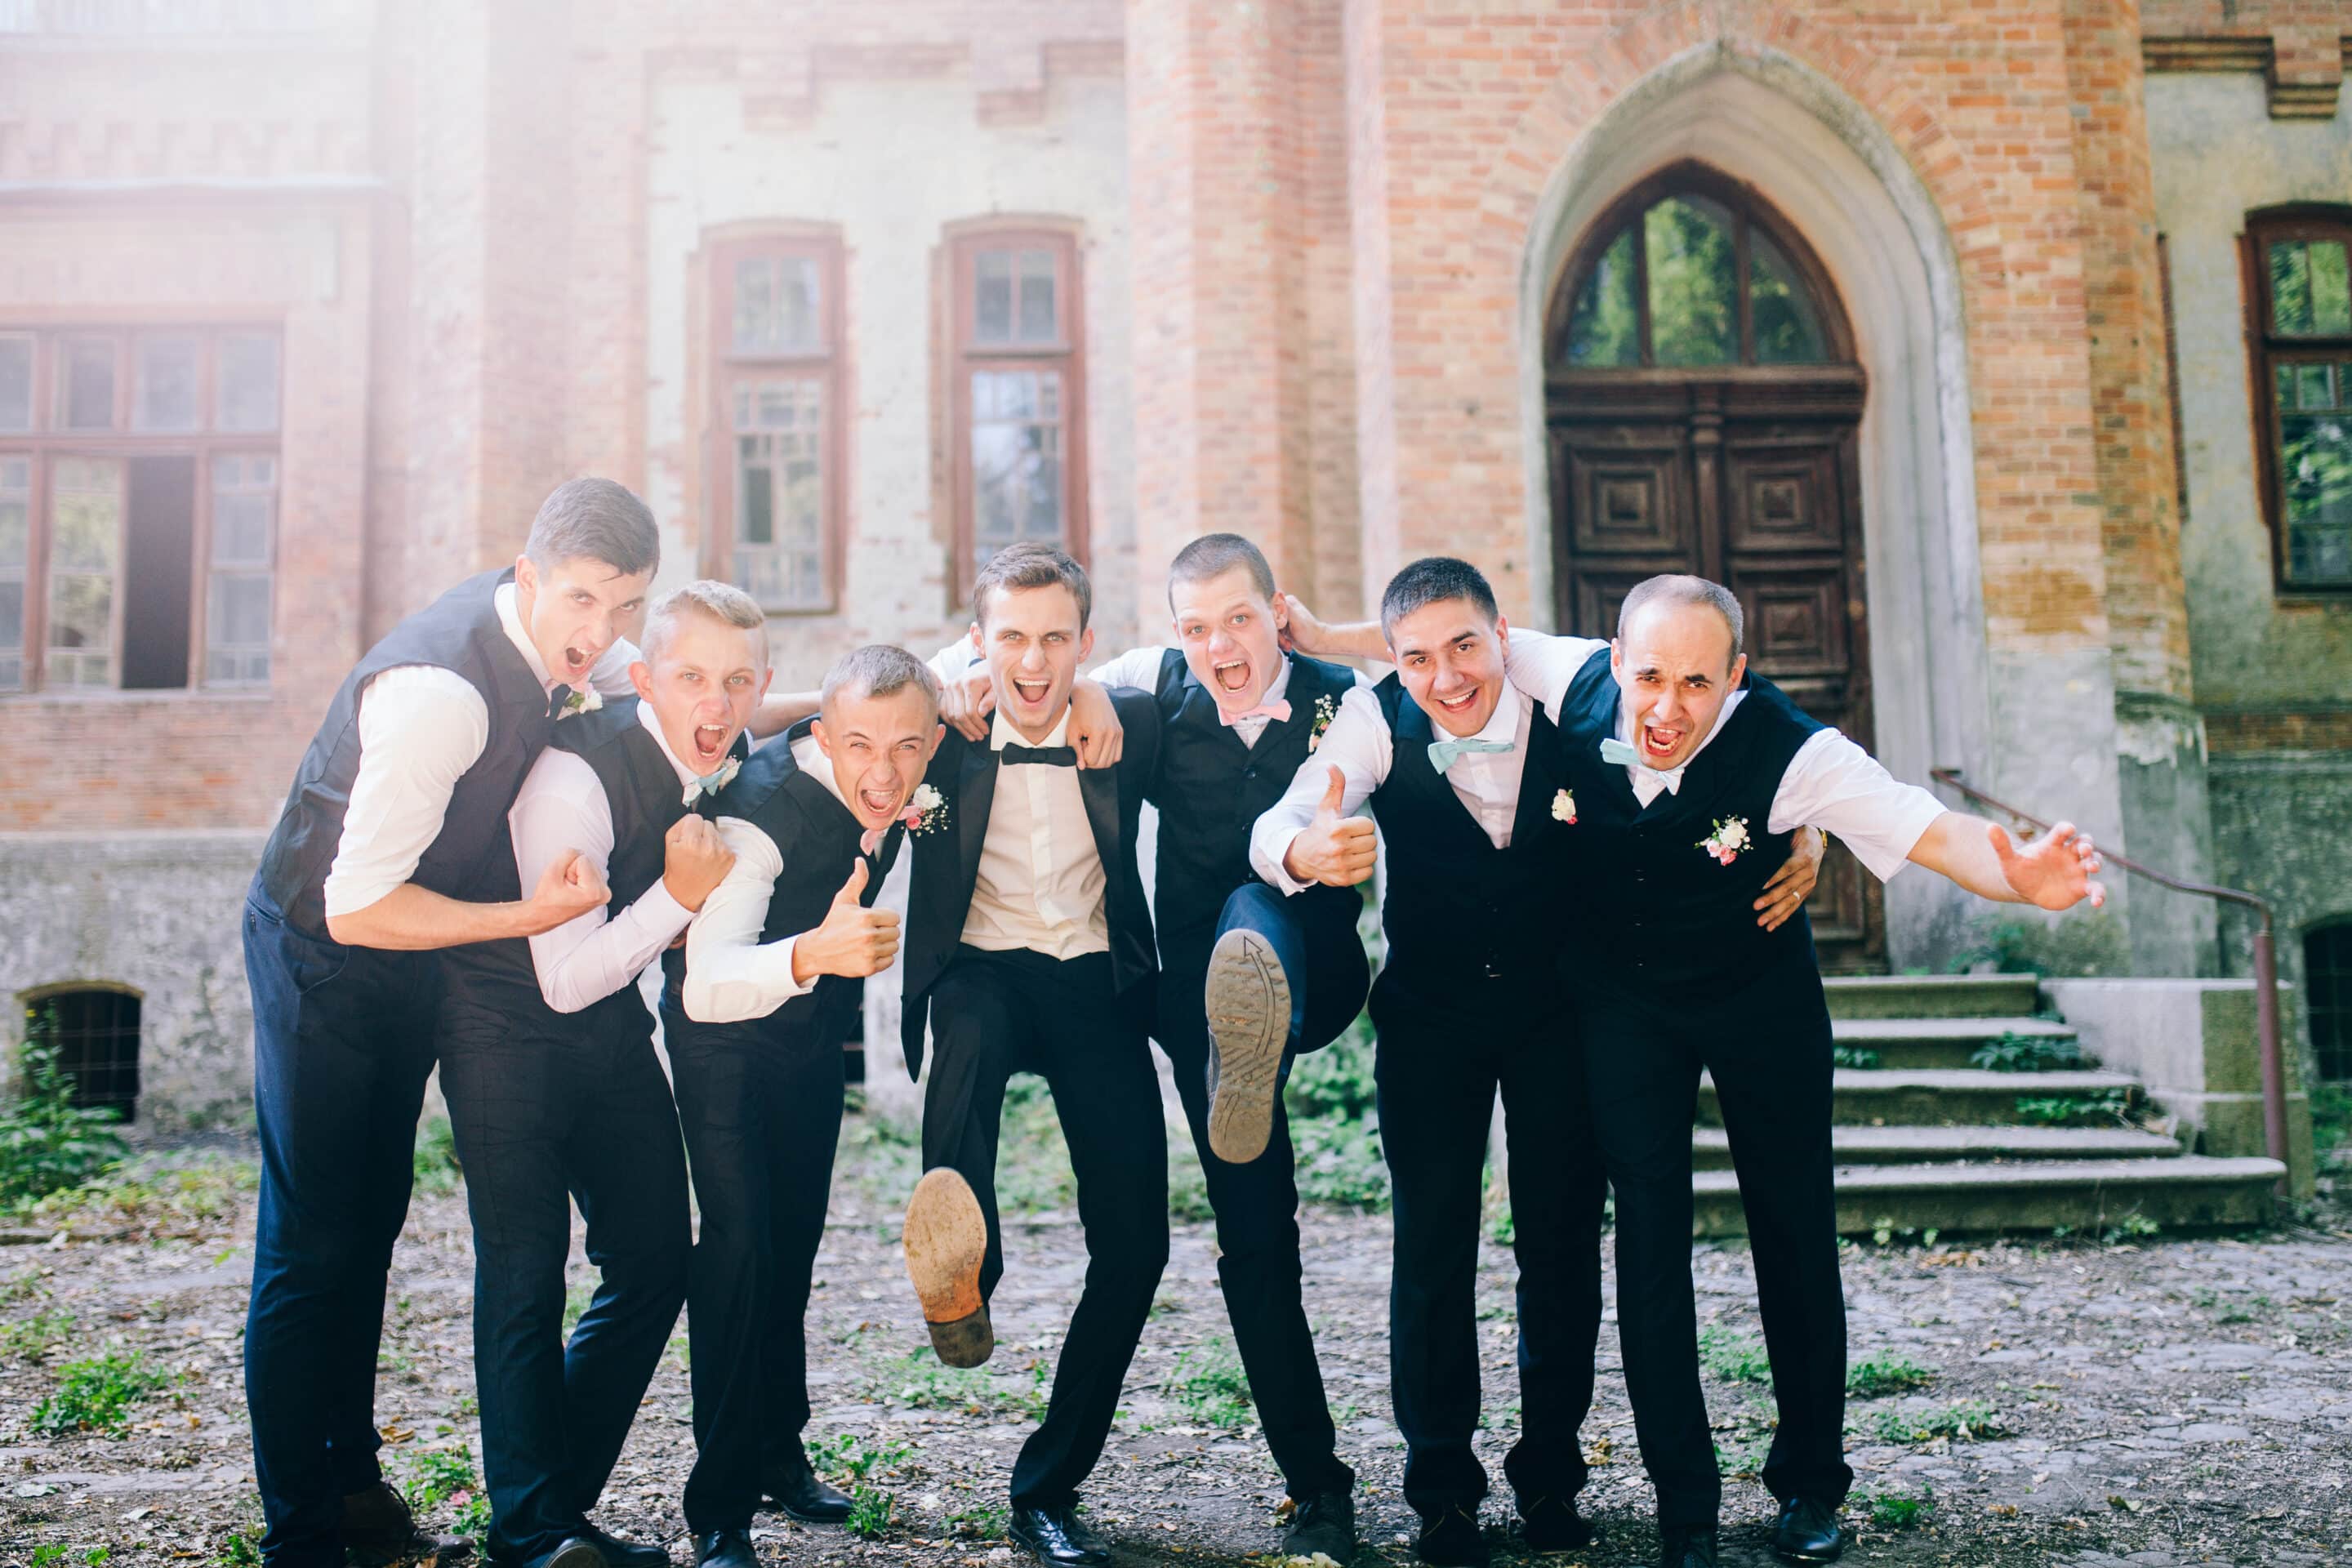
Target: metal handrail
[[2266, 1016]]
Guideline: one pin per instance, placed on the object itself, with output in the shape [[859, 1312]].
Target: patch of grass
[[240, 1548], [576, 1297], [179, 1194], [1188, 1183], [848, 1459], [1207, 1383], [1032, 1172], [2108, 1106], [1854, 1057], [96, 1394], [1900, 1510], [2014, 1052], [2331, 1119], [435, 1158], [871, 1510], [920, 1382], [48, 1144], [32, 1338], [439, 1477], [981, 1522], [1969, 1420], [1339, 1162], [1883, 1373], [1733, 1357], [2133, 1227]]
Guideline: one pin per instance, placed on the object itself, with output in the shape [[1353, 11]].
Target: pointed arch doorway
[[1702, 402]]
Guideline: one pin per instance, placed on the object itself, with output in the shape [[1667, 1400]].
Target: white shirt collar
[[651, 721], [512, 619], [815, 763], [1002, 733]]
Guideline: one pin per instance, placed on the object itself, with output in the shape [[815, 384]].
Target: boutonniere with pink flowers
[[587, 699], [1326, 709], [927, 810], [1729, 840], [1563, 808]]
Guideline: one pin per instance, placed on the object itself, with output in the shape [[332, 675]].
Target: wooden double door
[[1746, 475]]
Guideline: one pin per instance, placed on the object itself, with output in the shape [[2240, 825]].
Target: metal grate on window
[[2328, 981], [95, 1033]]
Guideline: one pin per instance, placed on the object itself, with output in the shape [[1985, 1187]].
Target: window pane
[[2315, 475], [780, 521], [16, 543], [2327, 978], [237, 595], [1787, 331], [15, 382], [755, 510], [991, 308], [11, 632], [2309, 293], [166, 384], [1694, 292], [240, 610], [85, 383], [247, 398], [1038, 323], [1604, 328], [85, 546], [1016, 459], [778, 300]]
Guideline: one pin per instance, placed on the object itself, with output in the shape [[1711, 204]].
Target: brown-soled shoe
[[945, 1238], [378, 1528], [1248, 998]]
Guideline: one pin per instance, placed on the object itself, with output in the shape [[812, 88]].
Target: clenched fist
[[854, 941], [1335, 850], [695, 860], [569, 888]]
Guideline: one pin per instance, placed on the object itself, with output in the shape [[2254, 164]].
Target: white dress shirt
[[1359, 744], [731, 974], [1041, 878], [421, 727], [1831, 783], [562, 805], [1139, 667]]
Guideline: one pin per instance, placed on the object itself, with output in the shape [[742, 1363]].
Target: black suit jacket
[[947, 863]]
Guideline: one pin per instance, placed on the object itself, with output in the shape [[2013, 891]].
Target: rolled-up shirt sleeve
[[1138, 668], [421, 727], [1544, 666], [1358, 744], [1835, 785], [731, 974], [562, 806]]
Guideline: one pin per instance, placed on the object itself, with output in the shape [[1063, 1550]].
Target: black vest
[[1211, 789], [1664, 909], [458, 631], [1457, 909], [818, 838]]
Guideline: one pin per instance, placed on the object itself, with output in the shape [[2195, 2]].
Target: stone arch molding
[[1832, 169]]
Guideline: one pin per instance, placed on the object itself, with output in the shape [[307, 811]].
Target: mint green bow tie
[[1614, 750], [1442, 752]]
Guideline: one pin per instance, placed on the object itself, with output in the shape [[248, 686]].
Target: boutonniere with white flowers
[[587, 699], [1563, 808], [926, 810], [1729, 840], [1326, 709]]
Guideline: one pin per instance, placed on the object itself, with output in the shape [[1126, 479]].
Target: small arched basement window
[[2328, 981], [95, 1031]]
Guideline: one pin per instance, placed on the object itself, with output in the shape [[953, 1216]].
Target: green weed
[[32, 1339], [1883, 1373], [977, 1524], [1900, 1510], [1969, 1420], [96, 1394], [2014, 1052], [48, 1144], [241, 1549], [1733, 1357], [848, 1459], [2108, 1106], [576, 1298], [1207, 1383], [436, 1157], [1855, 1056], [870, 1511]]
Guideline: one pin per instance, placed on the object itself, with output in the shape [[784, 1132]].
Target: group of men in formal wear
[[541, 785]]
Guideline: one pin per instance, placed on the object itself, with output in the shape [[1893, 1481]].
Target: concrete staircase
[[1923, 1139]]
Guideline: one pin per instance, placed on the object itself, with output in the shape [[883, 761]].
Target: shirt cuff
[[1270, 864]]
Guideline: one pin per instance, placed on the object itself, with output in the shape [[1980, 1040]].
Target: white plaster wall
[[2218, 154], [892, 163]]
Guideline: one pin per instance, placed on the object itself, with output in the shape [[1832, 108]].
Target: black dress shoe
[[1324, 1523], [377, 1528], [725, 1549], [1549, 1522], [1450, 1540], [792, 1485], [577, 1551], [1058, 1538], [619, 1554], [1808, 1532], [1686, 1546]]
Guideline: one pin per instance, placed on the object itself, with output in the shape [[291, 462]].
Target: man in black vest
[[755, 1034], [389, 839], [1467, 776], [1029, 949], [556, 1094]]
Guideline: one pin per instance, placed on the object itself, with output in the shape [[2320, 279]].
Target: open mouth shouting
[[1030, 692], [879, 804], [577, 662], [710, 743], [1661, 742], [1233, 676]]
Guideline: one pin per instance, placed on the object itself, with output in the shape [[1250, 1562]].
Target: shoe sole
[[578, 1554], [1037, 1555], [1785, 1555], [1248, 1004], [946, 1239]]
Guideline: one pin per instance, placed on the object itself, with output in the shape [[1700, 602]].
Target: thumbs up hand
[[1335, 850], [854, 941]]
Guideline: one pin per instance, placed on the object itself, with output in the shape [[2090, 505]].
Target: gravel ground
[[2156, 1401]]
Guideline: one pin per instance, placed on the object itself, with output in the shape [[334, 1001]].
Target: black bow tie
[[1052, 756], [556, 700]]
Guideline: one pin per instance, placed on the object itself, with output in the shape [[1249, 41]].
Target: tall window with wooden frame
[[1017, 402], [139, 492], [2299, 299], [778, 426]]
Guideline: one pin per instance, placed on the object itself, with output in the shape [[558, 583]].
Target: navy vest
[[459, 632], [1669, 911], [818, 838], [1457, 909], [1211, 789]]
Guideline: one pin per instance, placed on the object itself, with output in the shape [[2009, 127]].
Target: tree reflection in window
[[2304, 344]]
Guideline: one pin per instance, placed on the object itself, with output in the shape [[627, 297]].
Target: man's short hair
[[1214, 555], [1677, 588], [1019, 566], [1429, 581], [594, 520], [722, 602], [877, 669]]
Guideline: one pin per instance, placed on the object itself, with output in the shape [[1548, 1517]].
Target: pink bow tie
[[1277, 709], [870, 840]]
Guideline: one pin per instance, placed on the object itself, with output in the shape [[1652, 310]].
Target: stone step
[[1931, 996], [1963, 1097], [1711, 1146], [2190, 1193], [1937, 1042]]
